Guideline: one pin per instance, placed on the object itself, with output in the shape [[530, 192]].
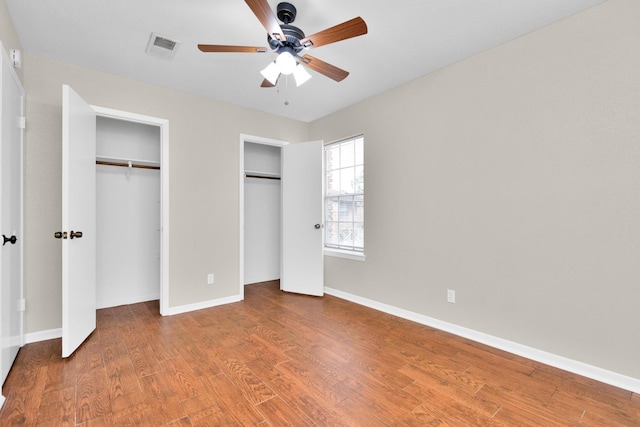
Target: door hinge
[[22, 122], [22, 305]]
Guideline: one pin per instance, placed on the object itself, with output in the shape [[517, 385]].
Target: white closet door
[[302, 258], [78, 215]]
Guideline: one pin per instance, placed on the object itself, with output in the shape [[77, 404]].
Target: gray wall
[[8, 34], [513, 178]]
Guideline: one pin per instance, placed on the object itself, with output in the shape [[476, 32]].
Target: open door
[[11, 250], [302, 269], [78, 220]]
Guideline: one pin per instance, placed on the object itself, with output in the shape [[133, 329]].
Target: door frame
[[254, 140], [163, 124]]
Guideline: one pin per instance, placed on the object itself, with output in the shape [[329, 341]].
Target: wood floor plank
[[277, 413], [306, 404], [235, 408], [430, 371], [92, 395], [200, 358], [58, 408], [533, 406], [284, 359], [434, 390], [353, 413], [252, 387], [143, 359], [162, 402], [182, 378]]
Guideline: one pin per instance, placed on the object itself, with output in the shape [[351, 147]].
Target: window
[[344, 195]]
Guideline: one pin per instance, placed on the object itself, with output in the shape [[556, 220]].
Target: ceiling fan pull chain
[[286, 90]]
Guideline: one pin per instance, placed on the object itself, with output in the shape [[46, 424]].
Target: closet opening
[[260, 210], [131, 206]]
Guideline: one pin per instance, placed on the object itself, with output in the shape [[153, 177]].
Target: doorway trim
[[254, 140], [163, 124]]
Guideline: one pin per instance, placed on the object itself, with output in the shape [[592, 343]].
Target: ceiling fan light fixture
[[301, 75], [271, 73], [286, 63]]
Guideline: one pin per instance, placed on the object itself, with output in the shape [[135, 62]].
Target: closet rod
[[246, 175], [126, 165]]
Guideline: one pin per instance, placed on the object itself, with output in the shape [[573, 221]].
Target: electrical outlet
[[451, 296], [210, 278]]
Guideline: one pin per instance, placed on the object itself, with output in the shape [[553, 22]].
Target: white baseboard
[[127, 300], [574, 366], [268, 278], [43, 335], [202, 305], [57, 333]]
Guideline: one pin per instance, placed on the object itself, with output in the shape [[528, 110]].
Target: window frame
[[352, 253]]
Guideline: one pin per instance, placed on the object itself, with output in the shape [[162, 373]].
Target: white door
[[78, 216], [302, 269], [12, 96]]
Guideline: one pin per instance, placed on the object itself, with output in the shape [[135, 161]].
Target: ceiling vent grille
[[162, 46]]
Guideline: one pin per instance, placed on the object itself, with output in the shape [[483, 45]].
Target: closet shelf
[[134, 163], [261, 175]]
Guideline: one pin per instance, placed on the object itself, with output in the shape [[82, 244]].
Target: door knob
[[73, 234], [12, 240], [60, 234], [317, 226]]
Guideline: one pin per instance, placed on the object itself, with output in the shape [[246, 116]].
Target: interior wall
[[512, 178], [8, 34], [262, 206], [203, 180], [127, 214]]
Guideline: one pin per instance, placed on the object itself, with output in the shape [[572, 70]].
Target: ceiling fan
[[289, 41]]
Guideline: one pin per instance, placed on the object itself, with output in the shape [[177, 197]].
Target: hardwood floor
[[280, 359]]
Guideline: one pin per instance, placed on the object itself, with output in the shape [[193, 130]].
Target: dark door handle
[[12, 240], [317, 226], [77, 234]]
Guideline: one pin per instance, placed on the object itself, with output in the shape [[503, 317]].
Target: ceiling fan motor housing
[[293, 36], [286, 12]]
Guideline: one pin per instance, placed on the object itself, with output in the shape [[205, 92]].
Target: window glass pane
[[332, 207], [346, 209], [358, 208], [359, 179], [358, 234], [346, 234], [332, 157], [359, 147], [332, 236], [347, 154], [333, 183], [347, 181]]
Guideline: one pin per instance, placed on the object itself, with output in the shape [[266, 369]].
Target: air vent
[[162, 46]]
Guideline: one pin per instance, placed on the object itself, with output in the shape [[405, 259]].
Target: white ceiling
[[407, 39]]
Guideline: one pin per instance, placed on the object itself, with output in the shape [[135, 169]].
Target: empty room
[[266, 213]]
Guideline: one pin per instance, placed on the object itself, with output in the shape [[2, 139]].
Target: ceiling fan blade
[[322, 67], [267, 83], [346, 30], [267, 18], [224, 48]]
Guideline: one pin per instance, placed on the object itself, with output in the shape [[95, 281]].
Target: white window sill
[[355, 256]]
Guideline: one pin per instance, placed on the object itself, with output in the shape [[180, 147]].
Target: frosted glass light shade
[[271, 73], [286, 62], [301, 75]]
